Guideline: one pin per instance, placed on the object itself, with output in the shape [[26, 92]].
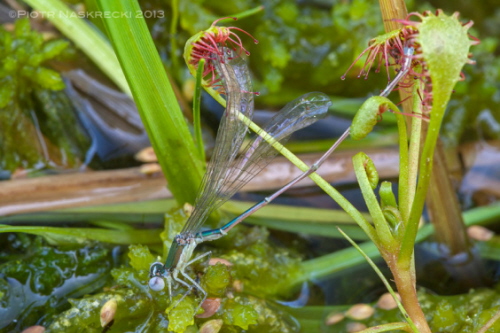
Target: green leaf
[[80, 235], [445, 46], [155, 99]]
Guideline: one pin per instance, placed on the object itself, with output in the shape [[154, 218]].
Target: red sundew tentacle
[[206, 48], [417, 14], [419, 75], [475, 40], [239, 47], [406, 89], [407, 82], [379, 63], [468, 25], [200, 54], [255, 40], [372, 56], [207, 42], [368, 64], [418, 56], [397, 44], [210, 42], [407, 22], [352, 65], [238, 41], [386, 52], [404, 100], [221, 35], [415, 115]]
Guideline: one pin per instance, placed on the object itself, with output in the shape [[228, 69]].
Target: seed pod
[[360, 311], [108, 312]]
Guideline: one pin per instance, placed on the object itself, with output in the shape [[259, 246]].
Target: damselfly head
[[157, 272]]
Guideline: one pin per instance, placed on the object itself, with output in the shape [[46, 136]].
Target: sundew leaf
[[445, 46]]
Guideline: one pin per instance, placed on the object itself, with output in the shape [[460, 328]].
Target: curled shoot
[[367, 177], [369, 114]]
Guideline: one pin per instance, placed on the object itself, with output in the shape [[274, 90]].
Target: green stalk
[[445, 46], [414, 153], [403, 163], [61, 236], [410, 326], [247, 13], [155, 99], [384, 238], [332, 264]]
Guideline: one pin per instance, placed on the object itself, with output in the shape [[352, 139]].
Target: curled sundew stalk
[[367, 177], [369, 114]]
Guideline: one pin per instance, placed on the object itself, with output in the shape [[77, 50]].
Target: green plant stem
[[196, 111], [155, 99], [414, 152], [403, 162], [61, 236], [425, 169], [403, 278], [410, 323], [383, 238], [331, 264], [247, 13]]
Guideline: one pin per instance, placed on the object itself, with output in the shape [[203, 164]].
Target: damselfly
[[224, 176]]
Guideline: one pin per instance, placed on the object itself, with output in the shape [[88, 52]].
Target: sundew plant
[[168, 281]]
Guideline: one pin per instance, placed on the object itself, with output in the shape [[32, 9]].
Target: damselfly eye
[[156, 283], [156, 269]]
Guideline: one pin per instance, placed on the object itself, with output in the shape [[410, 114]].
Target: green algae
[[39, 126], [37, 279]]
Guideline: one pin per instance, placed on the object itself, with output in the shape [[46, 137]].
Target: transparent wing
[[296, 115], [235, 79], [224, 177]]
